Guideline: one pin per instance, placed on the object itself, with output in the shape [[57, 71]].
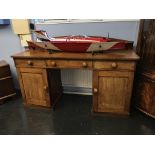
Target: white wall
[[120, 29], [123, 30], [9, 45]]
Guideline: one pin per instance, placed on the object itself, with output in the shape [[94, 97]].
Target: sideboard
[[113, 73]]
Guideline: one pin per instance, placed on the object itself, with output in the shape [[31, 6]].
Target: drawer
[[68, 64], [7, 87], [4, 71], [30, 63], [114, 65]]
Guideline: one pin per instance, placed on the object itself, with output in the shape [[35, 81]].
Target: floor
[[72, 117]]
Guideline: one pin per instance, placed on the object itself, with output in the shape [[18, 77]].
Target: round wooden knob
[[84, 64], [46, 88], [30, 62], [53, 63], [114, 65], [95, 90]]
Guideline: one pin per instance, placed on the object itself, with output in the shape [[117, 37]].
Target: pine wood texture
[[30, 63], [114, 65], [113, 73], [113, 91], [107, 55], [35, 86], [68, 64]]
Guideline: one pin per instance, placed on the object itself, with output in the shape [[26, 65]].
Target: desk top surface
[[106, 55]]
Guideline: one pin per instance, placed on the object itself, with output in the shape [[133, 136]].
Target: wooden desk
[[113, 73]]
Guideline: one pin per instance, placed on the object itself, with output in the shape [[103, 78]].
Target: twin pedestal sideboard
[[113, 73]]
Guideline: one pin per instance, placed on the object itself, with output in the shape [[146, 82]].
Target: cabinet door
[[112, 91], [35, 86]]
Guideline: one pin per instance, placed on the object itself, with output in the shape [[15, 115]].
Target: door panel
[[35, 87], [114, 91]]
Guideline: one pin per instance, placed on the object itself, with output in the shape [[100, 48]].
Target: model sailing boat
[[78, 43]]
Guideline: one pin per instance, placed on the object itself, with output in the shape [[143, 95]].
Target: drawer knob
[[53, 63], [30, 63], [114, 65], [84, 64], [95, 90], [46, 89]]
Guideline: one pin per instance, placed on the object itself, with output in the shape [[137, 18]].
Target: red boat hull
[[79, 43]]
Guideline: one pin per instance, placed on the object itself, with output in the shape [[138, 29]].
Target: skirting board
[[77, 90]]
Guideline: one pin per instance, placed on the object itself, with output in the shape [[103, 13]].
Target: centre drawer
[[69, 64], [114, 65], [29, 63]]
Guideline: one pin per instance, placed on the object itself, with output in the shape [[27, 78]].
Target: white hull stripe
[[41, 36], [46, 45], [101, 46], [92, 47]]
